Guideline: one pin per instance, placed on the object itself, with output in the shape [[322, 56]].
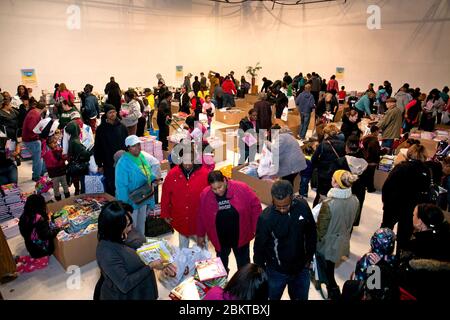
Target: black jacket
[[112, 89], [322, 106], [425, 265], [184, 103], [349, 128], [405, 187], [266, 85], [44, 234], [287, 79], [109, 139], [285, 242], [164, 110], [324, 156]]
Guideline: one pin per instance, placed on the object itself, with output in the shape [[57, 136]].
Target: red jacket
[[246, 203], [31, 121], [181, 198], [229, 87], [333, 84], [54, 162]]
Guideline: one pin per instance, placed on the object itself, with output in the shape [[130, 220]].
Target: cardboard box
[[230, 140], [293, 122], [244, 105], [80, 251], [230, 118], [379, 179], [251, 98], [261, 187]]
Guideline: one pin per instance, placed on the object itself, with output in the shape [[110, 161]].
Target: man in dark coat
[[110, 138], [264, 110], [405, 187], [114, 93]]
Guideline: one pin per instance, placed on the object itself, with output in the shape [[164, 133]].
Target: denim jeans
[[304, 185], [305, 118], [388, 143], [8, 174], [139, 217], [38, 165], [298, 284], [228, 100], [241, 254]]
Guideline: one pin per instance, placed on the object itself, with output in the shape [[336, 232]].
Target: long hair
[[112, 221], [249, 283], [35, 204]]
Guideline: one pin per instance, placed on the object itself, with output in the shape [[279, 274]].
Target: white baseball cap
[[132, 141]]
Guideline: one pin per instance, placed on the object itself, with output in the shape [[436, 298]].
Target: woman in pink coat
[[228, 214], [64, 94]]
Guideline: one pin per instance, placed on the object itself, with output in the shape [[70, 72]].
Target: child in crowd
[[209, 109], [306, 175], [342, 94], [35, 227], [56, 167]]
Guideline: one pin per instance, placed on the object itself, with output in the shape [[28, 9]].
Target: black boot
[[334, 294], [67, 195], [58, 198]]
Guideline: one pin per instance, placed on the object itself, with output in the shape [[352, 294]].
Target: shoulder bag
[[144, 192]]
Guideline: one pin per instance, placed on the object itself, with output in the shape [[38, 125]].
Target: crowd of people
[[203, 205]]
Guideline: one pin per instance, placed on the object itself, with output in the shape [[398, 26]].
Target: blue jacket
[[91, 106], [363, 105], [305, 102], [129, 178]]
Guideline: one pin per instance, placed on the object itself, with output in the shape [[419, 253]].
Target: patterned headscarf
[[381, 243]]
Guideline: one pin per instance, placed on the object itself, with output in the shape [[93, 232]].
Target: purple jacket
[[243, 199]]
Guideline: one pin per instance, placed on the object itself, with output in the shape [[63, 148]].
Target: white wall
[[134, 40]]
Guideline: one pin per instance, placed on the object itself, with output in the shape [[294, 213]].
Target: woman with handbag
[[78, 157], [328, 157], [134, 182]]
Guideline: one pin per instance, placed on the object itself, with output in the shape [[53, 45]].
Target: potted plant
[[253, 71]]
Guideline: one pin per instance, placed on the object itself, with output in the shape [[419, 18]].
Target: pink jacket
[[67, 95], [243, 199]]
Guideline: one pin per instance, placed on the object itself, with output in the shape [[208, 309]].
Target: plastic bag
[[284, 116], [266, 166], [184, 260], [94, 184]]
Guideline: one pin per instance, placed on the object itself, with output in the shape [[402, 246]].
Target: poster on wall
[[179, 73], [340, 73], [28, 77]]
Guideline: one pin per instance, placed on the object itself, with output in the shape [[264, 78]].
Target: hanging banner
[[28, 77], [179, 73], [340, 72]]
